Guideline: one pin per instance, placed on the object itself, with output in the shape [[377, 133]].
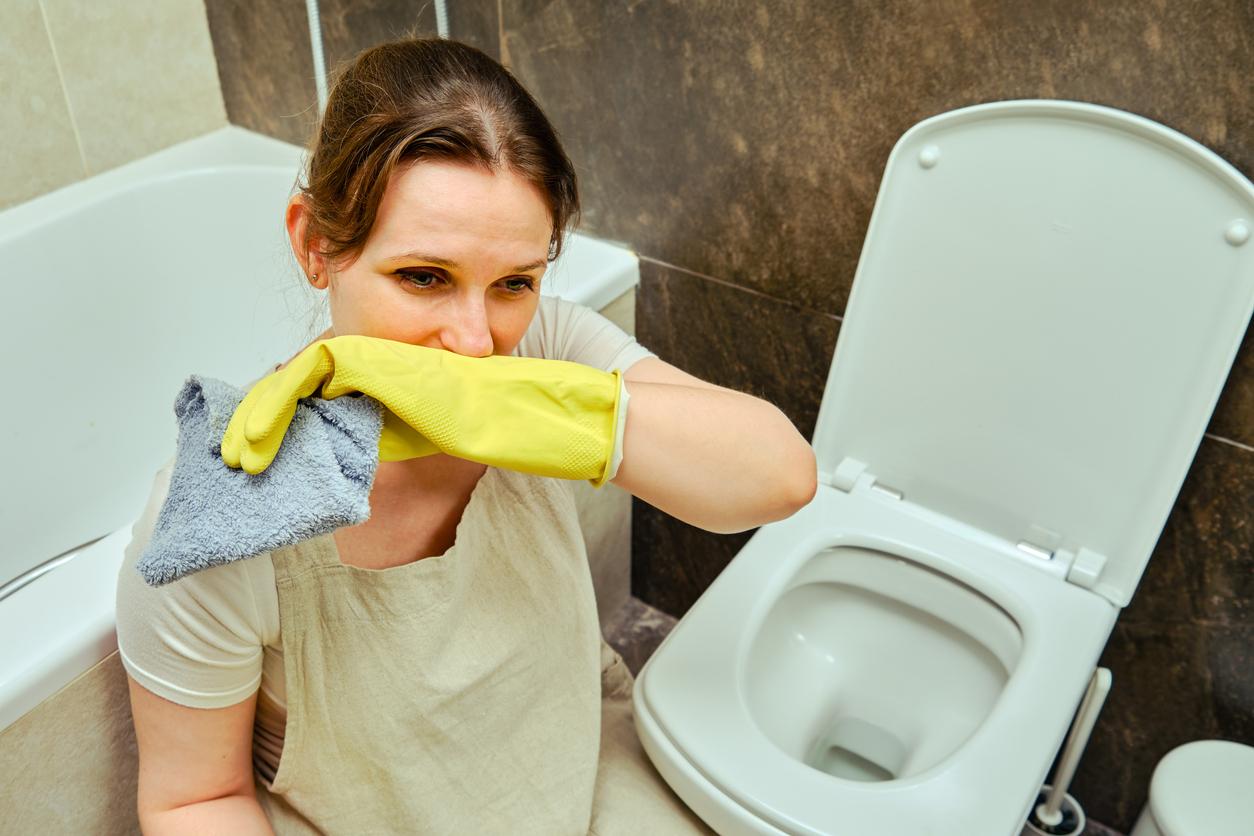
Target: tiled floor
[[639, 628], [636, 632]]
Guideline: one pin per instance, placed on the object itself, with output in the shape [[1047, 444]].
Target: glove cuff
[[618, 431], [620, 426]]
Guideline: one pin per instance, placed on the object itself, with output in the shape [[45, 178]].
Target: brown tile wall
[[272, 90], [738, 147], [266, 65]]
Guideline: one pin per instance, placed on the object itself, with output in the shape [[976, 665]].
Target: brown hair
[[415, 99]]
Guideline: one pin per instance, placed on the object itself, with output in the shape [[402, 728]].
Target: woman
[[438, 668]]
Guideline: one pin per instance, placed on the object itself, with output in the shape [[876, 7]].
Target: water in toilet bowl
[[859, 751]]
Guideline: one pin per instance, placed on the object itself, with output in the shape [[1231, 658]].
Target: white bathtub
[[112, 291]]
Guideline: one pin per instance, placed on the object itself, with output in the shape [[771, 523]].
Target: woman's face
[[454, 261]]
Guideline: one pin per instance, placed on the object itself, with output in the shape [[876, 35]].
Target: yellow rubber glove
[[548, 417]]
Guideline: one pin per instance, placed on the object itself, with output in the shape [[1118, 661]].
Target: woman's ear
[[297, 221]]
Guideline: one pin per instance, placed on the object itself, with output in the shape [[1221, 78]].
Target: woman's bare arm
[[195, 767], [721, 460]]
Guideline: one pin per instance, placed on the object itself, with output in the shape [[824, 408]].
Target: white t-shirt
[[212, 638]]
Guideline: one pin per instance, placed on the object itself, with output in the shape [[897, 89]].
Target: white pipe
[[1050, 812], [315, 44], [319, 63], [441, 18]]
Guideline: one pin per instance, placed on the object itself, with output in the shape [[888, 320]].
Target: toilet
[[1201, 787], [1048, 301]]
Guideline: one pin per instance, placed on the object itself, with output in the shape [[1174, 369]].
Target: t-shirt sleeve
[[196, 641], [565, 330]]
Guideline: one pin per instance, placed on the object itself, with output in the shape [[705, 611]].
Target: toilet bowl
[[1048, 301]]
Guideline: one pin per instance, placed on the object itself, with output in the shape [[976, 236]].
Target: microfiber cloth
[[319, 481]]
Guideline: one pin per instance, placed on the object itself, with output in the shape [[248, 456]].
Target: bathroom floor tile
[[636, 630]]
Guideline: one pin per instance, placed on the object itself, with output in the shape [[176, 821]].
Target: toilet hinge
[[1039, 542], [1081, 567], [1085, 566], [845, 475], [849, 472]]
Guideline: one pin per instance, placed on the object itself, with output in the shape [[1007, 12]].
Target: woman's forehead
[[464, 215], [433, 204], [441, 185]]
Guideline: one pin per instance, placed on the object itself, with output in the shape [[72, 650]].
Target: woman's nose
[[468, 334]]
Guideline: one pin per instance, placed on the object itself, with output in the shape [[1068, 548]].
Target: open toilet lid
[[1048, 301]]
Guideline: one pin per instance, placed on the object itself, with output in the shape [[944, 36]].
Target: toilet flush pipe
[[1050, 813]]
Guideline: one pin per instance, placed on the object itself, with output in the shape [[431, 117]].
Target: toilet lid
[[1049, 299]]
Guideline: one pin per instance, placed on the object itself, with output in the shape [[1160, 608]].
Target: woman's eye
[[423, 279], [412, 276], [526, 284]]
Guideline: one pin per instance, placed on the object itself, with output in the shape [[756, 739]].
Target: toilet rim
[[963, 555], [1014, 605], [695, 678]]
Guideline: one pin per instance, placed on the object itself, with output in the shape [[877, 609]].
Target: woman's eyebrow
[[453, 265]]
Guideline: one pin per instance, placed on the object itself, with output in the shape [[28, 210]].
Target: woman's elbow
[[809, 478], [800, 483], [805, 478]]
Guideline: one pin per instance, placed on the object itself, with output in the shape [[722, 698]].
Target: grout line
[[735, 286], [65, 93], [1247, 448]]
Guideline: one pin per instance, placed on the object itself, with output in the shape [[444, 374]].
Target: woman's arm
[[195, 767], [721, 460]]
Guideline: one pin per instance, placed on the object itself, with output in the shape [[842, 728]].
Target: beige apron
[[461, 693]]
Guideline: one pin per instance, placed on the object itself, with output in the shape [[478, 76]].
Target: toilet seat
[[1047, 304], [986, 787]]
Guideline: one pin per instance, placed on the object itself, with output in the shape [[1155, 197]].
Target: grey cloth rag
[[319, 481]]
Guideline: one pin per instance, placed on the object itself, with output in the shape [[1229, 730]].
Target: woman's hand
[[260, 422], [549, 417]]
